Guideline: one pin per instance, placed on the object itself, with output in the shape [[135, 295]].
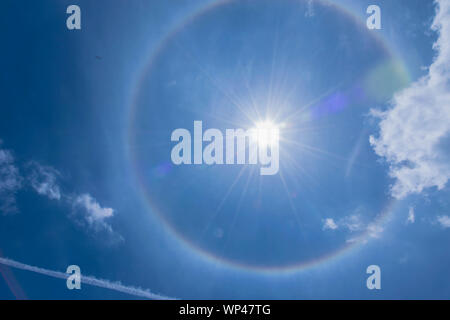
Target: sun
[[266, 133]]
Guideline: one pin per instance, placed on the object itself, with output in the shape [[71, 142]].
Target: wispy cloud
[[309, 9], [92, 281], [10, 182], [355, 226], [374, 230], [43, 180], [411, 216], [329, 224], [444, 221], [413, 132], [91, 214]]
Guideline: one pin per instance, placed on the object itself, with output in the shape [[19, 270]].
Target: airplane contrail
[[92, 281]]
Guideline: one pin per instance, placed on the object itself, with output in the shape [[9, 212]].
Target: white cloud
[[444, 221], [10, 178], [88, 212], [413, 132], [44, 180], [374, 230], [356, 226], [92, 213], [309, 9], [329, 224], [353, 240], [371, 230], [10, 182], [411, 216], [353, 223]]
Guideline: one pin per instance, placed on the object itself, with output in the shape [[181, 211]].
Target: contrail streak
[[116, 286]]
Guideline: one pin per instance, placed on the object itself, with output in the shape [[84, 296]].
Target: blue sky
[[86, 176]]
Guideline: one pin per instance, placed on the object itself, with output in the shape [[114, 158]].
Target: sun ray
[[297, 165], [215, 82], [224, 199], [312, 102], [238, 208], [317, 151], [294, 209]]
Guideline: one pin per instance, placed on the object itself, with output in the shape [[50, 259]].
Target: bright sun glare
[[266, 133]]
